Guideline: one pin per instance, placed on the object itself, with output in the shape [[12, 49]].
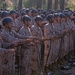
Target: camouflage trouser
[[74, 43], [48, 46], [36, 64], [54, 49], [56, 46], [61, 48], [25, 61], [7, 62], [52, 55], [66, 44], [71, 42]]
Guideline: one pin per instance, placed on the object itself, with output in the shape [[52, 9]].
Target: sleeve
[[6, 37], [21, 32], [6, 45], [17, 35]]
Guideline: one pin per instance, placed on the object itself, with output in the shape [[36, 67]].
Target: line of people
[[40, 37]]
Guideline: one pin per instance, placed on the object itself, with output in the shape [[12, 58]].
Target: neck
[[55, 21], [19, 18], [13, 18], [25, 26], [7, 29], [50, 23], [59, 22], [37, 25]]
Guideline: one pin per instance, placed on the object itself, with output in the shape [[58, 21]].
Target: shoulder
[[47, 26], [22, 30], [3, 32], [33, 27], [13, 32]]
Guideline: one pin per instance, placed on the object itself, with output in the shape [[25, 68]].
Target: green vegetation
[[12, 4]]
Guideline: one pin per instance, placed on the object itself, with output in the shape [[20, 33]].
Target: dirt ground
[[58, 71], [65, 72]]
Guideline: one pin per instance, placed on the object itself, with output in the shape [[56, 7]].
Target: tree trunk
[[39, 4], [56, 5], [49, 4], [20, 5], [44, 2], [62, 4], [66, 3]]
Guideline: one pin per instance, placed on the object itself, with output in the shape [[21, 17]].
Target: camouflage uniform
[[9, 37], [18, 24], [57, 30], [66, 40], [14, 25], [7, 60], [71, 25], [36, 31], [26, 52], [62, 40], [1, 41], [73, 28], [48, 32]]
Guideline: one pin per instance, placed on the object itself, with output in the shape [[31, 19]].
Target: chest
[[26, 31], [38, 31]]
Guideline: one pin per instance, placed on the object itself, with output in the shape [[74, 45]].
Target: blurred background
[[44, 4]]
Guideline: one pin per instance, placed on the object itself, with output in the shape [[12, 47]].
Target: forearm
[[6, 45]]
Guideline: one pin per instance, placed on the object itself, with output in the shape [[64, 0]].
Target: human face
[[39, 23], [34, 14], [58, 19], [29, 13], [63, 19], [28, 23], [10, 25], [20, 17], [55, 19], [67, 18], [14, 15], [51, 20]]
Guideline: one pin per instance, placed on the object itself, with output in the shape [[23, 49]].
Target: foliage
[[3, 4], [12, 4], [71, 4], [29, 3]]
